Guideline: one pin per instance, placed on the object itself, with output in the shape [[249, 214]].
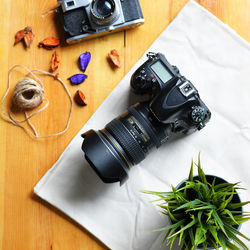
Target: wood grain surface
[[27, 223]]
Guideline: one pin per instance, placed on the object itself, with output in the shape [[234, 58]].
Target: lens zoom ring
[[126, 140]]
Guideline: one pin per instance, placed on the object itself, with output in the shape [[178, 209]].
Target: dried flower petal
[[49, 43], [26, 34], [29, 36], [54, 62], [77, 79], [19, 36], [115, 58], [80, 98], [84, 60]]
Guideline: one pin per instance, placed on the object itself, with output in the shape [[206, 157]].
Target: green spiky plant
[[203, 214]]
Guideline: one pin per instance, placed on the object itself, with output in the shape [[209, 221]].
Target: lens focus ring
[[103, 11], [126, 140]]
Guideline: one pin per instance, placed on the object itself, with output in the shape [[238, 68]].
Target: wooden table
[[26, 222]]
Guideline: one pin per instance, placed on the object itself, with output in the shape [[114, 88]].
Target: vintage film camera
[[174, 107], [84, 19]]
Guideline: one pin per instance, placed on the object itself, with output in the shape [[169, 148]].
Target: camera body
[[174, 99], [174, 106], [85, 19]]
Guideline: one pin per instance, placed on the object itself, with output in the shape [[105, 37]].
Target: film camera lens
[[174, 107], [103, 11]]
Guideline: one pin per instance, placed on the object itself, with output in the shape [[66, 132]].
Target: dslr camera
[[174, 107], [84, 19]]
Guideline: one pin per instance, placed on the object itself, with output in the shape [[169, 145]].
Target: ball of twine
[[28, 94]]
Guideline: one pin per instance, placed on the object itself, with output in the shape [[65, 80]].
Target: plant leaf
[[173, 226], [235, 231], [190, 224], [209, 215], [232, 246], [201, 208], [199, 236], [181, 236], [213, 231], [237, 240], [191, 173], [220, 223], [191, 235], [171, 215], [189, 204], [231, 216], [237, 205], [201, 174]]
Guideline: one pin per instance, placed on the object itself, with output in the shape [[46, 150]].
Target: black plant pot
[[218, 180]]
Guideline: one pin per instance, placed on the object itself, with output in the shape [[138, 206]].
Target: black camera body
[[175, 100], [85, 19], [174, 107]]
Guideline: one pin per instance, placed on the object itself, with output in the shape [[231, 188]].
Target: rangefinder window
[[161, 72], [70, 3]]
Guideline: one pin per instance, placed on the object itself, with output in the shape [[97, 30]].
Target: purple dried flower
[[84, 60], [77, 79]]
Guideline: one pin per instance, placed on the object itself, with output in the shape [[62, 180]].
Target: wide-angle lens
[[124, 142]]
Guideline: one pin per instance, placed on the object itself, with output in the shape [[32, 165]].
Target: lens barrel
[[103, 11], [124, 142]]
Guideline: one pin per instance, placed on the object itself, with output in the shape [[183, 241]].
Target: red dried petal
[[26, 34], [80, 98], [28, 39], [54, 62], [19, 36], [115, 58], [50, 42]]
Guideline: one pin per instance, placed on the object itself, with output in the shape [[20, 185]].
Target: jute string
[[29, 94]]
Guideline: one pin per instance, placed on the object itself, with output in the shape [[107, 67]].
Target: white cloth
[[217, 61]]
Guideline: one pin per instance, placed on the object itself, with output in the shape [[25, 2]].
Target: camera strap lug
[[151, 55]]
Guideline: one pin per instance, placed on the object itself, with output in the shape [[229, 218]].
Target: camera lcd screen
[[161, 71]]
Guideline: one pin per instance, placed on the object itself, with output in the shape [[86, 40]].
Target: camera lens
[[104, 8], [124, 142], [103, 11]]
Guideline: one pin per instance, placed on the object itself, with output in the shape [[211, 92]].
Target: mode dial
[[198, 114]]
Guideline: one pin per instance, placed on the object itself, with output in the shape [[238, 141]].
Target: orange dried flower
[[19, 36], [49, 43], [115, 57], [29, 36], [80, 98], [54, 62], [26, 34]]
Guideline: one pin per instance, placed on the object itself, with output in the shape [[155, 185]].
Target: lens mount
[[103, 11]]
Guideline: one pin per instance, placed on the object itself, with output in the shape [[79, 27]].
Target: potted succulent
[[205, 212]]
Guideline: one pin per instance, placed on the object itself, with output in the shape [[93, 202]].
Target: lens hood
[[104, 160]]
